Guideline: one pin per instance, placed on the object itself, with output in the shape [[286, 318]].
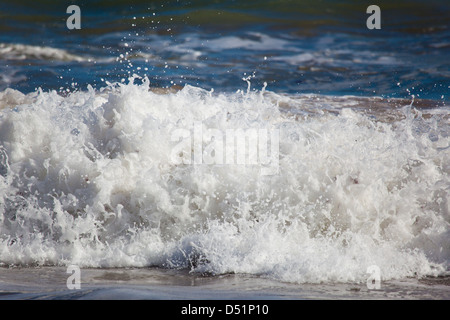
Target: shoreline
[[50, 283]]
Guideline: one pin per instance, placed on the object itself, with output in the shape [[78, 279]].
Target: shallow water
[[161, 284], [119, 148]]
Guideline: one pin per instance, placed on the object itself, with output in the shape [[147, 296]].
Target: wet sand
[[161, 284]]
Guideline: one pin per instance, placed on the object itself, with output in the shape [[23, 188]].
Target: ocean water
[[119, 145]]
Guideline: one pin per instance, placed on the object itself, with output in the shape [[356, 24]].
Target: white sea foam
[[17, 51], [88, 179]]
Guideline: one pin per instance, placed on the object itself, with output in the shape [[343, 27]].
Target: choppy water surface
[[295, 46], [87, 120]]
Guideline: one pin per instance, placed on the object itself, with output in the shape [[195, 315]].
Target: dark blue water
[[321, 47]]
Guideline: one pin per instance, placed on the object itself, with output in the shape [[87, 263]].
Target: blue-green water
[[321, 47]]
